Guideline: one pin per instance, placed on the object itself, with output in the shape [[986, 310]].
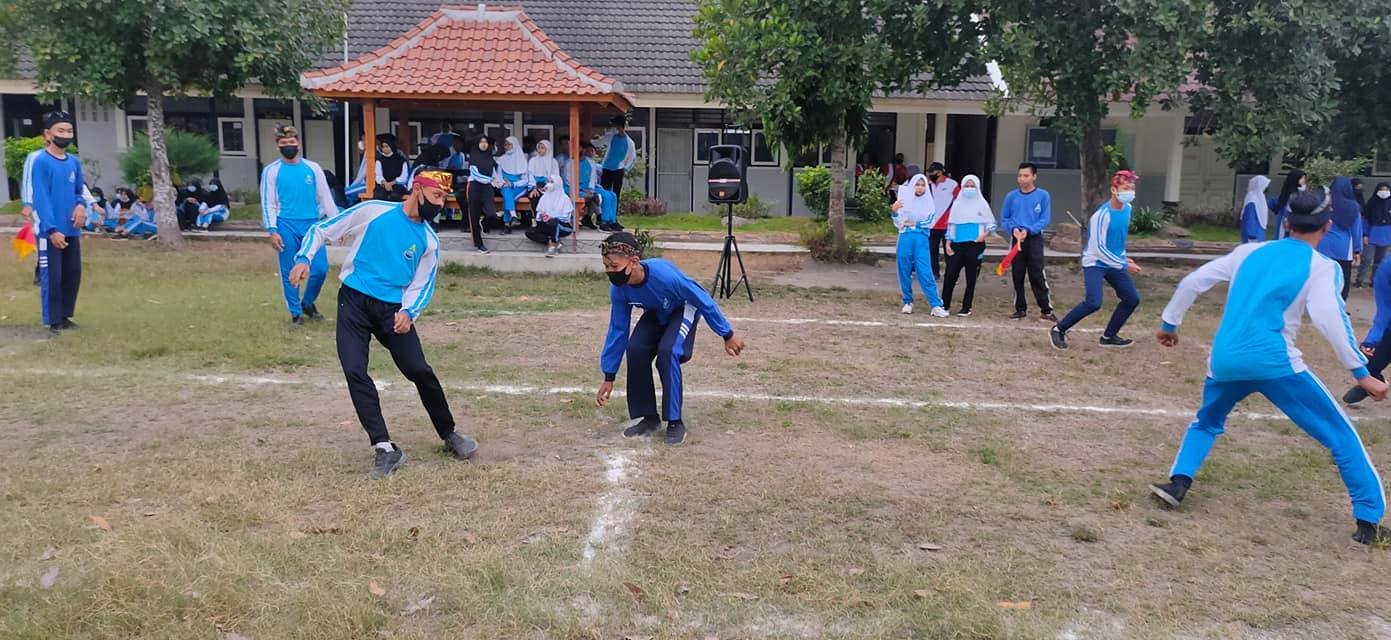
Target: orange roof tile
[[475, 52]]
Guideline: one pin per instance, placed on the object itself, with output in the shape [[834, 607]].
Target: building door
[[970, 140], [675, 153]]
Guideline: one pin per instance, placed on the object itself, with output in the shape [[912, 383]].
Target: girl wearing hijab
[[1376, 219], [1295, 182], [96, 208], [555, 217], [542, 167], [214, 205], [189, 199], [483, 178], [1255, 211], [516, 179], [393, 171], [122, 208], [1343, 242], [141, 218], [971, 223], [914, 214]]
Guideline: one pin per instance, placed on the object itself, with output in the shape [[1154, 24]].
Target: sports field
[[185, 466]]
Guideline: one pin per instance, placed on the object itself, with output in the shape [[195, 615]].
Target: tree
[[171, 49], [1068, 60], [809, 69], [189, 155]]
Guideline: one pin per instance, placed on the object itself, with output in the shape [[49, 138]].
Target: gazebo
[[464, 58]]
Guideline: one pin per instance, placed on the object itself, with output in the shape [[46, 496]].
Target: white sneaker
[[550, 253], [938, 312], [908, 309]]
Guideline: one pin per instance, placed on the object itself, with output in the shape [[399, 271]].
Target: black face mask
[[428, 210], [61, 142], [289, 151], [618, 278]]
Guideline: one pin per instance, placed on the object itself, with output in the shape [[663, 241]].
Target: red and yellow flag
[[24, 242], [1009, 258]]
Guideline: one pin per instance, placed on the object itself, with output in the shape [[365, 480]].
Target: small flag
[[24, 242], [1009, 258]]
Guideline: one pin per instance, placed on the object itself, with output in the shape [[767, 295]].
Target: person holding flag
[[388, 279], [1025, 213], [57, 187]]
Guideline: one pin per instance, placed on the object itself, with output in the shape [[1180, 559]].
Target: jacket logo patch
[[410, 253], [1038, 208]]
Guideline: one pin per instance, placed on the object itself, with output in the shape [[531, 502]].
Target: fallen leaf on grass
[[150, 514], [321, 531], [634, 589], [413, 532], [742, 596], [920, 594], [470, 537], [727, 552], [451, 324], [856, 571], [49, 554], [298, 535], [100, 522], [417, 606], [1015, 605], [153, 301], [638, 637], [235, 636], [375, 589], [784, 579], [928, 546], [683, 589], [345, 423], [47, 579]]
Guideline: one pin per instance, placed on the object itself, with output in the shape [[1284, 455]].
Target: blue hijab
[[1345, 209]]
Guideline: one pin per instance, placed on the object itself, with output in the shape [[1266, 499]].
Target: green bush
[[647, 243], [815, 185], [819, 241], [752, 208], [872, 197], [1322, 170], [17, 148], [1145, 220], [190, 154]]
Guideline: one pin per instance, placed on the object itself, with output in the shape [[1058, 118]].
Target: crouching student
[[213, 206], [555, 215], [96, 208], [672, 304]]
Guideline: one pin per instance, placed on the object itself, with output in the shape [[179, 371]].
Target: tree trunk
[[1096, 183], [161, 185], [835, 214]]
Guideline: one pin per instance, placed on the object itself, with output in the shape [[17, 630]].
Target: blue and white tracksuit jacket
[[392, 258]]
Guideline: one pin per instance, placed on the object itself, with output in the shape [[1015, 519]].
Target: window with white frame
[[704, 139], [1050, 150], [639, 137], [136, 125], [1381, 163], [756, 142], [539, 132], [764, 154], [416, 131], [231, 136], [498, 132]]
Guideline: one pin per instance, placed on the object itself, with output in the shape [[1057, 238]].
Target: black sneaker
[[1057, 338], [1355, 395], [1172, 492], [69, 325], [460, 446], [386, 462], [964, 314], [1371, 534], [610, 227], [312, 313], [1018, 315], [643, 428], [483, 251], [507, 230], [1048, 317], [296, 322], [589, 224], [52, 332], [676, 433], [1116, 342]]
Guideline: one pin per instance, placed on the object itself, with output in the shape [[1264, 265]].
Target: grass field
[[184, 466]]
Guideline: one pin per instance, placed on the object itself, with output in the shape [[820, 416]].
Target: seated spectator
[[516, 180], [96, 208], [543, 167], [213, 208], [392, 169], [120, 209], [190, 200], [140, 221], [555, 217]]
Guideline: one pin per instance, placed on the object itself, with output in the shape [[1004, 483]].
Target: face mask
[[289, 151], [618, 278], [212, 188], [361, 146], [1384, 194], [61, 142], [970, 192], [125, 200], [428, 210], [1126, 197], [191, 188], [1302, 187]]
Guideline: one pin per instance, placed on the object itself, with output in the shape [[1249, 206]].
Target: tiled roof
[[646, 44], [478, 50]]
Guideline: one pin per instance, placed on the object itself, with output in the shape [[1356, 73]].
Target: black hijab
[[1378, 210], [394, 164], [215, 194], [1290, 188], [483, 159]]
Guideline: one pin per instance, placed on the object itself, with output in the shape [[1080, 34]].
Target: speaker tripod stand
[[725, 284]]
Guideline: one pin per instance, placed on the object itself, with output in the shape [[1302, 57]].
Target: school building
[[645, 47]]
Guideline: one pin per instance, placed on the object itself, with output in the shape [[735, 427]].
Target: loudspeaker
[[727, 180]]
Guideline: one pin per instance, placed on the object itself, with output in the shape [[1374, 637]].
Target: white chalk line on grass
[[712, 394], [1026, 325], [616, 506]]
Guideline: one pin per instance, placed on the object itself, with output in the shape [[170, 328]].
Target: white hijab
[[544, 165], [514, 161], [916, 208], [1255, 194], [971, 210], [554, 202]]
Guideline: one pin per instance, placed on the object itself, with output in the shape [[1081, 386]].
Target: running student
[[1272, 286], [388, 279], [295, 195], [672, 304], [1104, 259], [913, 214], [1025, 213]]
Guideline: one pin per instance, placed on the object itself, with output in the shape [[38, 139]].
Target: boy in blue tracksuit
[[1026, 212], [1377, 345], [1272, 286], [1104, 259], [620, 155], [388, 279], [54, 187], [671, 303], [295, 195]]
